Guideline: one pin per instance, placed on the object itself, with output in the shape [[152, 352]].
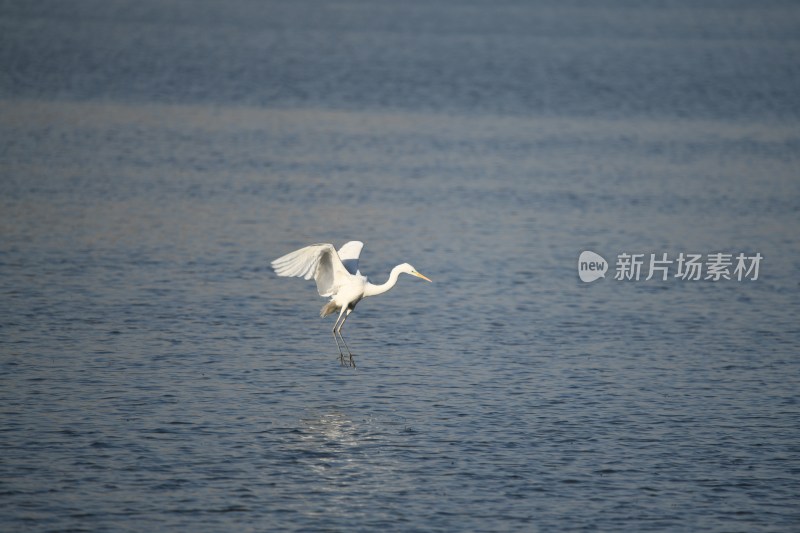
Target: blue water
[[157, 376]]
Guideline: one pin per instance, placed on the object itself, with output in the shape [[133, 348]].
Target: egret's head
[[408, 269]]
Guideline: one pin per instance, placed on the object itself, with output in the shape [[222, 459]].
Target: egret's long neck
[[372, 290]]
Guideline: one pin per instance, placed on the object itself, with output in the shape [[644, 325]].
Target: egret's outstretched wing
[[349, 254], [318, 261]]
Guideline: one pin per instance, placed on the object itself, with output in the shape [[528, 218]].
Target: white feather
[[318, 261], [349, 254]]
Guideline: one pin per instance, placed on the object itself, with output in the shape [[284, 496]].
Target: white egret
[[337, 276]]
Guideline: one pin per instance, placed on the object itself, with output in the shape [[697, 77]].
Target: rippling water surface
[[156, 375]]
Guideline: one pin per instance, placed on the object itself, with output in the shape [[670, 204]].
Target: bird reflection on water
[[328, 446]]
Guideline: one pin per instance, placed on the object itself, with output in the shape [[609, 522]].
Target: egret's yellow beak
[[415, 273]]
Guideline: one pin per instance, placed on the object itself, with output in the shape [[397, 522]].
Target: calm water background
[[156, 375]]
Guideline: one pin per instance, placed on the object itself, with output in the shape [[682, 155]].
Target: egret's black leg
[[336, 325], [339, 331]]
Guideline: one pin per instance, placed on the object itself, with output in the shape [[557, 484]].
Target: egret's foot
[[347, 361]]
